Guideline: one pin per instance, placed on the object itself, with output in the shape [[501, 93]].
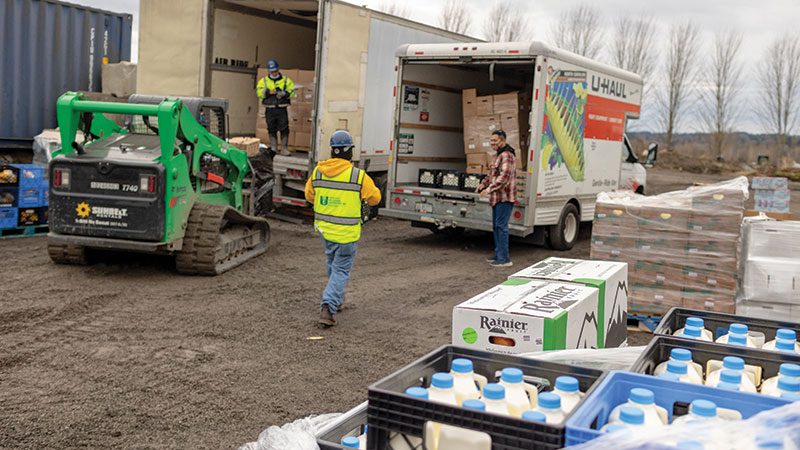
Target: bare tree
[[455, 17], [680, 72], [779, 77], [578, 30], [395, 8], [633, 47], [505, 23], [722, 80]]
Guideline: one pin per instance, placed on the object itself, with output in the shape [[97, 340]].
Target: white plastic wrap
[[681, 247], [781, 424], [297, 435], [600, 359], [46, 142], [770, 268]]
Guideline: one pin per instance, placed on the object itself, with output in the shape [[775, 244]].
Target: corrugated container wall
[[50, 47]]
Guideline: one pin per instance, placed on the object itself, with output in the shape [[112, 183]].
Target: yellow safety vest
[[337, 205]]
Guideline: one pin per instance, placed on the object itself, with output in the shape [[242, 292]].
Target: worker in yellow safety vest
[[337, 189], [275, 92]]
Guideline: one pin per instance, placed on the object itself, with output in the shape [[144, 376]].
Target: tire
[[564, 234], [640, 190]]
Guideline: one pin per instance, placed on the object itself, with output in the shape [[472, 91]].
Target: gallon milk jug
[[737, 364], [783, 333], [643, 399], [699, 410], [567, 389], [697, 323], [362, 439], [494, 396], [520, 396], [785, 345], [730, 380], [464, 379], [681, 369], [629, 417], [456, 438], [534, 416], [737, 335], [728, 386], [550, 406], [402, 442], [770, 385], [693, 333], [680, 354], [669, 376], [350, 442], [785, 385], [441, 389]]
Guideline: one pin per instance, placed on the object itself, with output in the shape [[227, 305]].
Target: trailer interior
[[431, 133]]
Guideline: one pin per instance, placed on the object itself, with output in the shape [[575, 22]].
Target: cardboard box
[[485, 105], [699, 279], [248, 144], [771, 194], [780, 206], [719, 245], [478, 169], [506, 103], [663, 218], [509, 122], [772, 279], [652, 300], [769, 183], [719, 200], [469, 102], [610, 278], [662, 244], [713, 222], [772, 215], [616, 216], [521, 316], [303, 77], [657, 274], [476, 159], [302, 139], [709, 302]]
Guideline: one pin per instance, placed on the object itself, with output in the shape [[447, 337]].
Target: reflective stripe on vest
[[337, 205]]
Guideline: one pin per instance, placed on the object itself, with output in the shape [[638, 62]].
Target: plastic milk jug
[[737, 332], [494, 396], [456, 438], [441, 389], [770, 385], [403, 442], [629, 417], [737, 364], [680, 354], [520, 396], [681, 369], [783, 333], [693, 333], [645, 400], [550, 406], [699, 410], [698, 323], [465, 379], [567, 389]]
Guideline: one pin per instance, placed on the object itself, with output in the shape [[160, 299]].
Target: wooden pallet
[[33, 230]]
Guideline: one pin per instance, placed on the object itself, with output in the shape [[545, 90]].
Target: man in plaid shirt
[[500, 187]]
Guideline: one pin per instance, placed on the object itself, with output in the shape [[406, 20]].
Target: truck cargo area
[[433, 133]]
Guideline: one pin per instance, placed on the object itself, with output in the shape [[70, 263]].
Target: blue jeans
[[339, 262], [501, 213]]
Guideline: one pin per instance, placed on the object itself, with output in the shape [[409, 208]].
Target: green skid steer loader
[[162, 183]]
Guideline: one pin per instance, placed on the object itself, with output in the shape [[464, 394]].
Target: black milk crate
[[470, 181], [430, 178], [350, 423], [390, 411], [718, 323], [657, 351], [451, 179]]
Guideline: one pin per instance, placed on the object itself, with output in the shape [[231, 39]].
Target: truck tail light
[[61, 178], [517, 215], [147, 183]]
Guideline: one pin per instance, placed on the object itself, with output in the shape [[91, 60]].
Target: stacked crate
[[23, 196], [681, 247], [300, 123], [485, 114], [771, 194]]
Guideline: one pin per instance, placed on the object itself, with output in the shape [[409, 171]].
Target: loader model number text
[[130, 188]]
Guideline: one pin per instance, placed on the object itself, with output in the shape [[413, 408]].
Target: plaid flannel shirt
[[502, 179]]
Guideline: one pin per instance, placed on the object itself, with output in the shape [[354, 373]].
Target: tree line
[[683, 77]]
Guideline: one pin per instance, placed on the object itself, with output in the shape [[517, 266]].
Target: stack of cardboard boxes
[[485, 114], [23, 195], [300, 126], [555, 304], [771, 194], [681, 247]]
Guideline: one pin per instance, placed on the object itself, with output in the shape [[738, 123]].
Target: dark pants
[[277, 121], [501, 214]]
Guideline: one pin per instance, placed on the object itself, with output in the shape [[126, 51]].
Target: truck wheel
[[640, 190], [564, 234], [68, 254]]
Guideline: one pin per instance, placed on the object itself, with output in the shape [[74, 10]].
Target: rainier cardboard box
[[611, 280], [521, 316]]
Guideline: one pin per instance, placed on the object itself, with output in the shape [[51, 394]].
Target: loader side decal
[[564, 122]]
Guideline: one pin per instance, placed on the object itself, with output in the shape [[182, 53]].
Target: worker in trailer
[[275, 92], [500, 187], [337, 189]]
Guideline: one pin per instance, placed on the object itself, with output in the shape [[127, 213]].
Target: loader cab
[[211, 113]]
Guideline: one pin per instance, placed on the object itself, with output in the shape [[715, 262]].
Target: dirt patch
[[127, 353]]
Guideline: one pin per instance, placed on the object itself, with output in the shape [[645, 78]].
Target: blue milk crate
[[30, 175], [674, 396], [30, 198], [8, 218]]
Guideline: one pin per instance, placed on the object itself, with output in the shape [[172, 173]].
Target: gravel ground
[[127, 353]]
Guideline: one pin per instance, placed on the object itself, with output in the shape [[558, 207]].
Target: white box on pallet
[[522, 316], [611, 278]]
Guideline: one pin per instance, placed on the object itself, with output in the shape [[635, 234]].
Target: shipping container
[[214, 48], [50, 47]]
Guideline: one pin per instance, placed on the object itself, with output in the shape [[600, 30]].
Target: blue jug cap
[[534, 416], [704, 408], [442, 380], [461, 365], [733, 363], [417, 392], [680, 354], [631, 415], [477, 405], [549, 400], [511, 375], [567, 384], [494, 391]]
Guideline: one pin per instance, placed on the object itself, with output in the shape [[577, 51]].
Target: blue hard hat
[[272, 65], [340, 139]]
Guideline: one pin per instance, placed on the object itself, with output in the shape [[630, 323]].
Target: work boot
[[285, 145], [325, 317], [273, 142]]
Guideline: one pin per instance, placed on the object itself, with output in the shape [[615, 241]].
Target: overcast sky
[[760, 21]]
